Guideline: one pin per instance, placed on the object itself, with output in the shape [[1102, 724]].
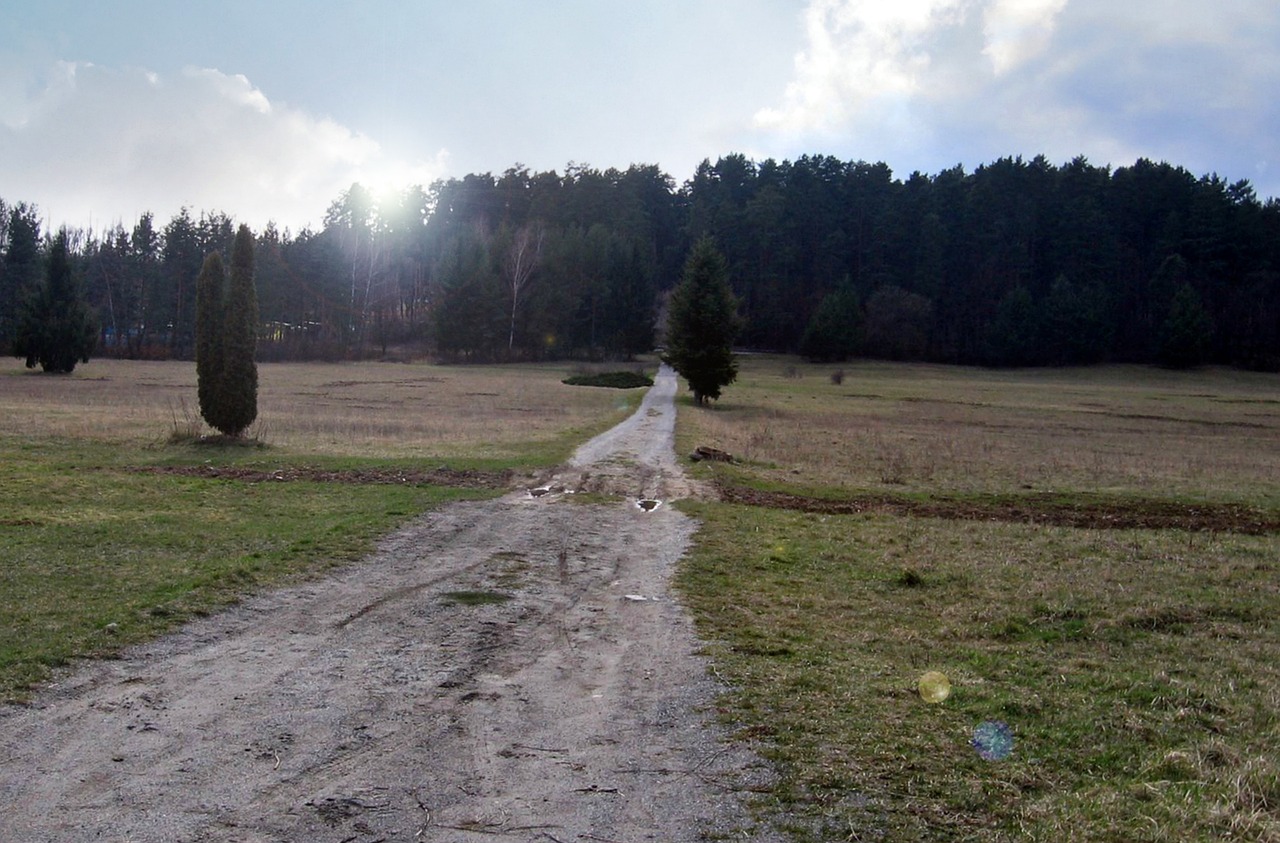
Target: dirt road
[[515, 669]]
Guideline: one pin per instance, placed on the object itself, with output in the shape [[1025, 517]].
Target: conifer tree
[[1185, 334], [54, 325], [834, 330], [238, 384], [226, 339], [210, 291], [1013, 337], [21, 265], [629, 302], [702, 324]]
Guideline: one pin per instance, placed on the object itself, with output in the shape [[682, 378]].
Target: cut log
[[704, 452]]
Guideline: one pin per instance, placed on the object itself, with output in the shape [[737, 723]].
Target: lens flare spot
[[934, 687], [993, 739]]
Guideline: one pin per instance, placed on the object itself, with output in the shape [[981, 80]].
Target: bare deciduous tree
[[522, 259]]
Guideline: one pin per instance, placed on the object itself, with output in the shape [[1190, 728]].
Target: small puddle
[[648, 504]]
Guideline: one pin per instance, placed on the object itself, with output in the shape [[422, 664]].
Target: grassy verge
[[97, 558], [98, 554], [1134, 668]]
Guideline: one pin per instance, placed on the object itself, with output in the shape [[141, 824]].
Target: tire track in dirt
[[515, 669]]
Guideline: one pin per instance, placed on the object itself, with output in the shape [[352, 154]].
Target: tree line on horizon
[[1019, 262]]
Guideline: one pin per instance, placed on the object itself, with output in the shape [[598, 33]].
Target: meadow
[[988, 538], [499, 416], [998, 527], [117, 524]]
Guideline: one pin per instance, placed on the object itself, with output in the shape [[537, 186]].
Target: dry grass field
[[1134, 667], [901, 428], [507, 415]]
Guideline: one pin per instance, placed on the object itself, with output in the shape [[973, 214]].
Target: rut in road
[[514, 669]]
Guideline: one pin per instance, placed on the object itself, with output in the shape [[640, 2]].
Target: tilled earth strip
[[463, 478], [1052, 510]]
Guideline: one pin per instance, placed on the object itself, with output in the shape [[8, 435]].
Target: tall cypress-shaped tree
[[210, 293], [54, 325], [238, 383], [227, 339], [702, 324]]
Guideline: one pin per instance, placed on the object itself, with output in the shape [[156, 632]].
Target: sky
[[268, 109]]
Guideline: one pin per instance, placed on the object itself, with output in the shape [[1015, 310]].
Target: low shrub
[[613, 380]]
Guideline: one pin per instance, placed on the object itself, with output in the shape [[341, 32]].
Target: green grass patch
[[1135, 669], [476, 598], [97, 557]]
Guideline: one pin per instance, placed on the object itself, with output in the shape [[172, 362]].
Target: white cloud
[[1018, 30], [233, 89], [866, 58], [928, 83], [95, 144], [861, 54]]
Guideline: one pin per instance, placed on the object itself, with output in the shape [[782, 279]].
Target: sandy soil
[[396, 702]]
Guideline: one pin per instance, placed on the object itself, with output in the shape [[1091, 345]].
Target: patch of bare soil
[[1030, 509], [516, 669], [468, 478]]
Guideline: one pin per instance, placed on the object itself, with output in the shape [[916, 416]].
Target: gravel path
[[396, 701]]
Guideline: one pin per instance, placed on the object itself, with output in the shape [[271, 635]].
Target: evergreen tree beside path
[[702, 324]]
